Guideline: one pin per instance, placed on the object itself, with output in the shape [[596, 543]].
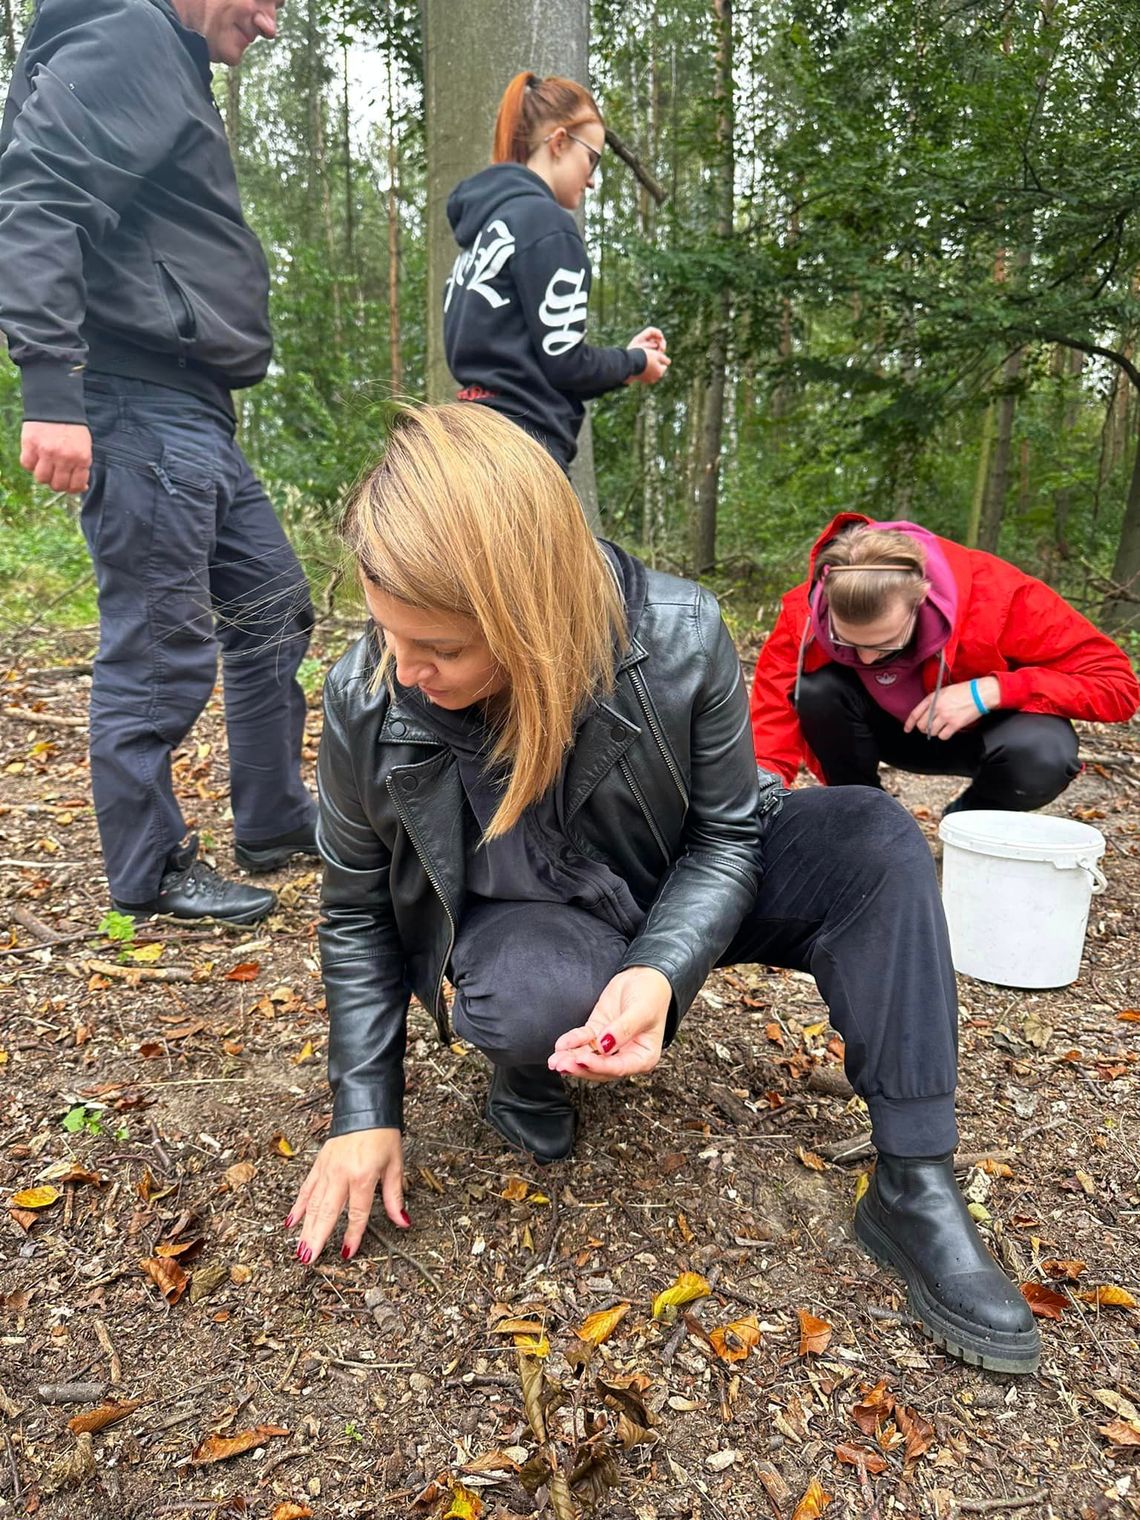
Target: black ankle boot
[[272, 854], [913, 1218], [192, 889], [531, 1108]]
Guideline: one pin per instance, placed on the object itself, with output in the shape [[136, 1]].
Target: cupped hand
[[656, 363], [624, 1034], [345, 1175], [58, 454], [955, 708], [649, 337]]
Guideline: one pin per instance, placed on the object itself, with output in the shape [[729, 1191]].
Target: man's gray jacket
[[122, 240]]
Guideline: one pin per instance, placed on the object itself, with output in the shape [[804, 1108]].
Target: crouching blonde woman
[[537, 782]]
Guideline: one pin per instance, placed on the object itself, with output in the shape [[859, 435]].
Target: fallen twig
[[139, 973], [393, 1246], [70, 1393], [46, 720], [990, 1506]]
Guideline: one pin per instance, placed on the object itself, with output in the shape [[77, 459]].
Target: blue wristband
[[978, 703]]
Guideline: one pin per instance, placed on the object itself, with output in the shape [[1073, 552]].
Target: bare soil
[[388, 1386]]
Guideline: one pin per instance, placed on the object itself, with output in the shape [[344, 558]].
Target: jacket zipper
[[631, 782], [437, 887], [654, 728], [187, 329]]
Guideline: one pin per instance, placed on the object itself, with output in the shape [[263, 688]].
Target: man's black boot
[[531, 1108], [272, 854], [913, 1218], [192, 889]]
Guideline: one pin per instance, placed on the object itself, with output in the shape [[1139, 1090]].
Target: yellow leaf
[[515, 1190], [599, 1327], [34, 1198], [862, 1183], [3, 1058], [282, 1146], [733, 1342], [539, 1198], [812, 1030], [529, 1345], [813, 1503], [1108, 1295], [689, 1286], [304, 1054], [146, 954], [464, 1505]]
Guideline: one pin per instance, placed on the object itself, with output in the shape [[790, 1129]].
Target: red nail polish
[[306, 1256], [345, 1253], [607, 1043], [404, 1220], [288, 1221]]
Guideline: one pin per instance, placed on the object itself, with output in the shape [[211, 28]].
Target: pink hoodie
[[896, 684]]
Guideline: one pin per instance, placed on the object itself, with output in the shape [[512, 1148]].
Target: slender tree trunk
[[981, 475], [395, 351], [712, 429], [346, 151], [1067, 365], [7, 37], [233, 110], [1121, 608]]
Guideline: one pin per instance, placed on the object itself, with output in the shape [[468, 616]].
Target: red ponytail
[[530, 107]]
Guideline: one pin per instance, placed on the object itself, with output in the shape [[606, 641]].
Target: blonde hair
[[878, 565], [466, 514]]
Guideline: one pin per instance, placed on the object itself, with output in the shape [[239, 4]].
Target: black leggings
[[1015, 760]]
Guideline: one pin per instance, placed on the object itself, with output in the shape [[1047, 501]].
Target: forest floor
[[165, 1097]]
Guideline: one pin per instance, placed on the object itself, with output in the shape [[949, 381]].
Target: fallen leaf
[[171, 1248], [1118, 1404], [240, 1173], [862, 1183], [1109, 1296], [292, 1512], [515, 1190], [815, 1334], [185, 1031], [171, 1279], [1121, 1433], [146, 955], [919, 1433], [810, 1159], [207, 1280], [733, 1342], [597, 1328], [536, 1346], [518, 1326], [492, 1461], [216, 1448], [1130, 1015], [813, 1503], [1065, 1267], [464, 1505], [688, 1286], [68, 1171], [34, 1198], [876, 1406], [774, 1033], [683, 1227], [245, 972], [720, 1460], [282, 1146], [305, 1053], [861, 1456], [1045, 1302], [95, 1419]]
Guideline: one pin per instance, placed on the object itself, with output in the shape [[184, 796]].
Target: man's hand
[[652, 341], [346, 1173], [955, 708], [624, 1034], [58, 454]]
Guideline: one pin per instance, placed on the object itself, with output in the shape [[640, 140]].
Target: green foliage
[[119, 927], [88, 1118]]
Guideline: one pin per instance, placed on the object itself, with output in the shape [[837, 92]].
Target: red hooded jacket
[[1046, 656]]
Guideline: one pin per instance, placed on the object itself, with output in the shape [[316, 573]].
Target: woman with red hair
[[514, 308]]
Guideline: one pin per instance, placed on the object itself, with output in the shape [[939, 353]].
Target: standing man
[[134, 298]]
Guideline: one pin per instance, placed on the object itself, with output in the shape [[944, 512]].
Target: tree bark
[[471, 51], [233, 111], [7, 37], [712, 429], [1121, 608], [395, 350]]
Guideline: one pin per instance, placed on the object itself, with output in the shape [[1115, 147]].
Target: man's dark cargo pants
[[188, 555]]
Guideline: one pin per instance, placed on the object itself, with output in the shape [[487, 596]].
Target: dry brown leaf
[[172, 1281], [1045, 1302], [861, 1456], [1130, 1015], [34, 1198], [810, 1159], [515, 1190], [216, 1448], [292, 1512], [246, 972], [1064, 1267], [68, 1171], [733, 1342], [876, 1407], [688, 1286], [172, 1248], [492, 1461], [813, 1503], [240, 1173], [185, 1031], [774, 1033], [597, 1328], [815, 1334], [919, 1433], [95, 1419], [518, 1327], [1121, 1433], [1109, 1296]]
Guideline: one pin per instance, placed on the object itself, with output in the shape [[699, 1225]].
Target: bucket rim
[[979, 832]]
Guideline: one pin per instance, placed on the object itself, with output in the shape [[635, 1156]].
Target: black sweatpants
[[1015, 760], [848, 894]]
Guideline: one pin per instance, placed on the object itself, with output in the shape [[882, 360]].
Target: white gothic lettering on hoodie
[[480, 263], [563, 310]]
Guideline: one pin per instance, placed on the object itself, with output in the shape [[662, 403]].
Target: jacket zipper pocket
[[437, 888], [631, 782], [180, 309]]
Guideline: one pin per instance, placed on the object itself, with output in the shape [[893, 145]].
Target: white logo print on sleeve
[[482, 262], [562, 309]]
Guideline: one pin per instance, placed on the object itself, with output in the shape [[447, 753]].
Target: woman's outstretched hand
[[345, 1175], [624, 1034]]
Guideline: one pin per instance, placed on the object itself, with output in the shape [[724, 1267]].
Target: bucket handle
[[1099, 879]]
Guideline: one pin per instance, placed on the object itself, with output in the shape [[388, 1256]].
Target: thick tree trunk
[[1121, 608], [471, 51], [712, 427]]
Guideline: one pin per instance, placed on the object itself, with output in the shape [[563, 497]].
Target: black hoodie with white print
[[514, 308]]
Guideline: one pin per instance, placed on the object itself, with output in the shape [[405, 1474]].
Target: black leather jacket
[[661, 784]]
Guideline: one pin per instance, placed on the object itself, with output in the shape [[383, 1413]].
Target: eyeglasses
[[883, 651], [595, 153]]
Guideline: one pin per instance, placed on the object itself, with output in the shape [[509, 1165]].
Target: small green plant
[[85, 1119], [352, 1432], [119, 927]]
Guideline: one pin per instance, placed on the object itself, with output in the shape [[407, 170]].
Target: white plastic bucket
[[1016, 888]]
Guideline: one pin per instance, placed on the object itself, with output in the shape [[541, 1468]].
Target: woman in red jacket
[[906, 648]]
